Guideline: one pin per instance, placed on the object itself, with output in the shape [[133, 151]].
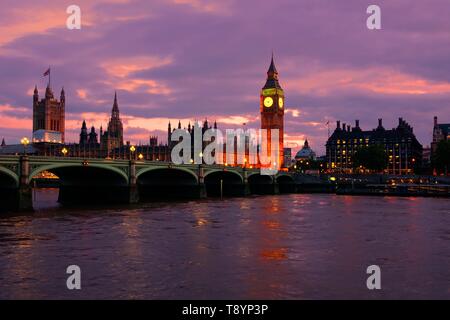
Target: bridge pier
[[24, 194], [202, 191], [246, 187], [202, 194], [133, 191], [275, 187]]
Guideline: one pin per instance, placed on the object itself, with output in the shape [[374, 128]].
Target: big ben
[[272, 109]]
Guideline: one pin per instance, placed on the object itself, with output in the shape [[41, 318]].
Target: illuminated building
[[403, 150], [305, 153], [48, 117], [272, 109]]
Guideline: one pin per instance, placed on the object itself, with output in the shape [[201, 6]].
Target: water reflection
[[269, 247]]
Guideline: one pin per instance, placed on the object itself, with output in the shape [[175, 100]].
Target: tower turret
[[83, 134]]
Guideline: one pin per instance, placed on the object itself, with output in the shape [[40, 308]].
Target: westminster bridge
[[84, 180]]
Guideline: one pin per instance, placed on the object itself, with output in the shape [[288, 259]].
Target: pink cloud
[[384, 81]]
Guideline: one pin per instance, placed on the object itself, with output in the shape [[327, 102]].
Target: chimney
[[338, 124], [435, 121], [356, 123]]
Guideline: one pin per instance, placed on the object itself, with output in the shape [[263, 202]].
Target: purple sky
[[191, 59]]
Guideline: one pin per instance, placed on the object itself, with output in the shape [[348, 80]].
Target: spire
[[115, 109], [215, 124], [306, 145], [272, 68], [179, 124], [35, 90], [83, 133], [272, 76], [3, 142]]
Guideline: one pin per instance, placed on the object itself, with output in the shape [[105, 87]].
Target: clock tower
[[272, 109]]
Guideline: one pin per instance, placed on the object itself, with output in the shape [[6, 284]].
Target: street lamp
[[24, 141], [64, 151], [132, 150], [140, 156]]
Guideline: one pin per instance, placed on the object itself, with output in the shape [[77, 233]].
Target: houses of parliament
[[48, 137]]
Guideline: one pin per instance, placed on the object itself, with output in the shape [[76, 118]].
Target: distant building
[[401, 145], [287, 153], [48, 117], [426, 157], [440, 132], [305, 153], [113, 137]]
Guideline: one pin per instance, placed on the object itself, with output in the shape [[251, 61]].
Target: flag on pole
[[46, 73]]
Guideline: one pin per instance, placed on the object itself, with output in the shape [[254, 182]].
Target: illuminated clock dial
[[268, 102], [280, 103]]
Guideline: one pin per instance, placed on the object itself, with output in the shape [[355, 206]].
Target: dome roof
[[306, 152]]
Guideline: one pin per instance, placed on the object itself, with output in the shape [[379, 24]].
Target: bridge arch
[[167, 182], [286, 183], [224, 182], [89, 183], [224, 170], [11, 176], [261, 184], [56, 166], [147, 169]]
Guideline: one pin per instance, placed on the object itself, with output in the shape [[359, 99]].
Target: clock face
[[268, 102], [280, 103]]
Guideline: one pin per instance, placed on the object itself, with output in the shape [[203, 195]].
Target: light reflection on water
[[272, 247]]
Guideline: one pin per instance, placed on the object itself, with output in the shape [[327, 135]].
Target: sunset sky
[[191, 59]]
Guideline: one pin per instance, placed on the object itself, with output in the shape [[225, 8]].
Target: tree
[[441, 157], [373, 157]]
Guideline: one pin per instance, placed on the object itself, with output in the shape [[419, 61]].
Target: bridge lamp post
[[132, 150], [64, 151], [24, 141], [140, 156]]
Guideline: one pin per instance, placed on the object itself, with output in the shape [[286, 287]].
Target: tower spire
[[272, 68], [272, 76], [115, 109]]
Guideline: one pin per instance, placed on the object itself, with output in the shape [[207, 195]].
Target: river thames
[[299, 246]]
